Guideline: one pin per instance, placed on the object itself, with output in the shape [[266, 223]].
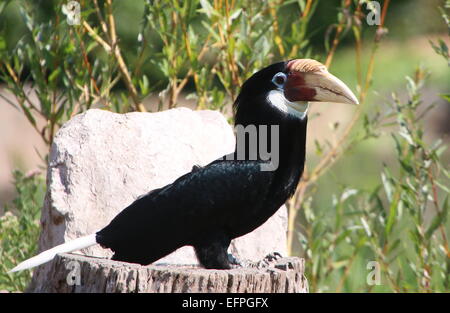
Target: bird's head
[[288, 87]]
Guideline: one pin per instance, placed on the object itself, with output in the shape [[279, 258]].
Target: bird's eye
[[279, 79]]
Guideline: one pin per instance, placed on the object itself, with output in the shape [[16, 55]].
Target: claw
[[269, 260], [274, 256]]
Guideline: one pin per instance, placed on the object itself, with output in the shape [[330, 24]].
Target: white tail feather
[[43, 257]]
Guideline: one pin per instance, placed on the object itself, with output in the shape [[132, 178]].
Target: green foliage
[[201, 47], [19, 229], [402, 224]]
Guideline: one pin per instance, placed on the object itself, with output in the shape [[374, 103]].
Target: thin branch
[[276, 29], [337, 35], [307, 8], [120, 61], [337, 150], [96, 37], [438, 211], [101, 20]]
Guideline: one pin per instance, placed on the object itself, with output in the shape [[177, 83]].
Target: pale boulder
[[100, 162]]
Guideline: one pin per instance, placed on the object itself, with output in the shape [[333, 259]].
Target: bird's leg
[[213, 255]]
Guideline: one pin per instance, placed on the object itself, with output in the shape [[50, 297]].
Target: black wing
[[224, 196]]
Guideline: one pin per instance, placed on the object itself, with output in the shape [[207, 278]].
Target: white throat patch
[[277, 99]]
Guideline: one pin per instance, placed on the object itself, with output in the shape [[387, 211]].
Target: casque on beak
[[309, 80]]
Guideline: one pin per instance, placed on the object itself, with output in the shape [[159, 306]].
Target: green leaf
[[54, 75], [339, 264], [319, 149], [392, 217], [2, 44], [394, 246], [348, 193], [3, 5], [143, 84], [408, 168], [211, 31], [438, 220], [445, 96], [443, 187], [387, 186], [29, 115], [207, 8], [58, 115]]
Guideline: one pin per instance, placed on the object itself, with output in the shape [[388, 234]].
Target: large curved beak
[[309, 80]]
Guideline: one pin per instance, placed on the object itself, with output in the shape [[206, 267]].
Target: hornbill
[[230, 197]]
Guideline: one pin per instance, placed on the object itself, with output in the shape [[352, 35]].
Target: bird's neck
[[281, 140], [292, 146]]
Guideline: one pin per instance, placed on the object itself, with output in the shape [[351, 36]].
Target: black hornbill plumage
[[225, 199]]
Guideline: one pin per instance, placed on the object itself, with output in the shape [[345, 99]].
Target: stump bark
[[72, 273]]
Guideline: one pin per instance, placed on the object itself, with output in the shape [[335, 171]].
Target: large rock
[[100, 162]]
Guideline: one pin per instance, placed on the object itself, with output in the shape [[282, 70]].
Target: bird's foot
[[238, 263], [269, 260]]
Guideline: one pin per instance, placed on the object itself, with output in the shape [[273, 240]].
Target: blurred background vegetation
[[377, 180]]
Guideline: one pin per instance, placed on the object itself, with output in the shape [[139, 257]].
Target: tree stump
[[72, 273]]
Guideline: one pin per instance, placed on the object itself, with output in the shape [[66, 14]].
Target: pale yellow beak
[[329, 88], [309, 80]]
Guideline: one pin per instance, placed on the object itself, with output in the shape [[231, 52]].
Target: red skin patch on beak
[[296, 90]]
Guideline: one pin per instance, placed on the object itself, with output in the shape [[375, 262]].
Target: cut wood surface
[[72, 273]]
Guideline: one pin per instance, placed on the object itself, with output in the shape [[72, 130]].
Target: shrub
[[20, 229]]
